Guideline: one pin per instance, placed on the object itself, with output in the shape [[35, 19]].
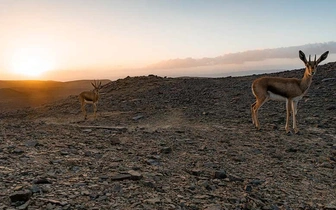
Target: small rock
[[214, 207], [153, 200], [234, 178], [24, 206], [292, 150], [85, 192], [220, 174], [50, 206], [87, 153], [196, 172], [18, 151], [256, 182], [333, 146], [42, 181], [23, 195], [135, 175], [64, 152], [102, 198], [330, 207], [138, 117], [149, 184], [166, 150], [103, 177], [248, 188], [153, 162], [120, 177], [117, 188], [331, 108], [35, 189], [115, 141], [17, 188], [87, 130], [31, 143]]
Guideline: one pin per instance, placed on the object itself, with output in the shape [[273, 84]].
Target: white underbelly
[[88, 102], [275, 97]]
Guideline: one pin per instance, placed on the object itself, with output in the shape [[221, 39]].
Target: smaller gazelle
[[90, 97], [290, 90]]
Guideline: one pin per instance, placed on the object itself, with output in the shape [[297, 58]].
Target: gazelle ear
[[303, 57], [322, 57]]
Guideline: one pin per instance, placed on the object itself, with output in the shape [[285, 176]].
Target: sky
[[81, 39]]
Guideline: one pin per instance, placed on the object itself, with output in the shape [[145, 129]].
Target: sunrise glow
[[73, 40], [31, 61]]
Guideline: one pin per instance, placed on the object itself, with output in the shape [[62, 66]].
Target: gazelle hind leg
[[252, 112], [255, 108]]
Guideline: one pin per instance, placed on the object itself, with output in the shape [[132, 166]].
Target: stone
[[153, 162], [214, 207], [248, 188], [23, 195], [166, 150], [31, 143], [138, 117], [120, 177], [23, 206], [41, 181], [135, 175], [18, 151], [220, 174], [115, 141]]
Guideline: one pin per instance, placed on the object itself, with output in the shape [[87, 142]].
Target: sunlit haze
[[84, 39]]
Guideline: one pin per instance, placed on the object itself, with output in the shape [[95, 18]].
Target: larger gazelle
[[290, 90], [90, 97]]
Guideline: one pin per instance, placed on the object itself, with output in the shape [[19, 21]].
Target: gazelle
[[290, 90], [90, 97]]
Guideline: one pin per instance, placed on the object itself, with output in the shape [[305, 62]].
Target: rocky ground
[[172, 143]]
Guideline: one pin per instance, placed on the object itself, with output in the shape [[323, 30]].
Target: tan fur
[[290, 90], [90, 97]]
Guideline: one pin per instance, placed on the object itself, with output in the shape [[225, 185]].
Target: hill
[[31, 93], [173, 143]]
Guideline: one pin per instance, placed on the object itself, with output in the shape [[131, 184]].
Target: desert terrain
[[18, 94], [172, 143]]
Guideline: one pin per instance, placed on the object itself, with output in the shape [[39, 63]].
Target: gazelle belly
[[276, 97], [88, 101]]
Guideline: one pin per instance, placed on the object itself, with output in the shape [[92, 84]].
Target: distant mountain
[[31, 93], [8, 93], [242, 57]]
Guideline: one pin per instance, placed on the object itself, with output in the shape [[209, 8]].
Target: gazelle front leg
[[288, 111], [294, 109], [84, 112], [95, 110]]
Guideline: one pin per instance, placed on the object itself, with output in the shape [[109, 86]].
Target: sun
[[32, 61]]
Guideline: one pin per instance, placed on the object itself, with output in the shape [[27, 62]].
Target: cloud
[[242, 57]]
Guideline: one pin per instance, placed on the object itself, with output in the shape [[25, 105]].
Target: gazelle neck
[[306, 81]]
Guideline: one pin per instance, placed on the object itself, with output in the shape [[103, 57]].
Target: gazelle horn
[[309, 58]]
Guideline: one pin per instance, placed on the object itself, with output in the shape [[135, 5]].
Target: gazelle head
[[311, 66], [97, 86]]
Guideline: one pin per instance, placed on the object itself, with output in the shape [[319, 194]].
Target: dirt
[[172, 143]]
